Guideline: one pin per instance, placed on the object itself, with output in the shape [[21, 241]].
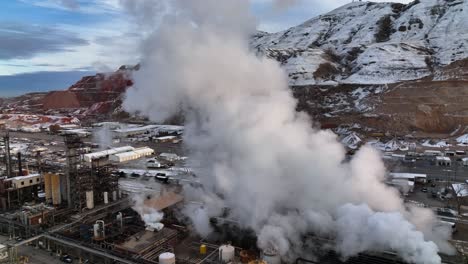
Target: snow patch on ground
[[438, 144]]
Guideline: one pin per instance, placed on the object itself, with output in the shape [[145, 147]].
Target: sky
[[49, 44]]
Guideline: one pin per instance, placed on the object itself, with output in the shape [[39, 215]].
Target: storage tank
[[56, 193], [106, 197], [120, 219], [96, 231], [226, 253], [271, 256], [167, 258], [202, 249], [90, 199], [99, 230], [48, 187]]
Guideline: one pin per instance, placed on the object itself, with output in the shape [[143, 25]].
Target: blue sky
[[79, 37]]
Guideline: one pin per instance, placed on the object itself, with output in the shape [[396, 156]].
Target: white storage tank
[[90, 199], [106, 197], [226, 253], [167, 258], [271, 256], [96, 230], [101, 230]]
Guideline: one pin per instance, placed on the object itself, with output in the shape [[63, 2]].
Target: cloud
[[70, 4], [82, 6], [22, 41], [109, 38]]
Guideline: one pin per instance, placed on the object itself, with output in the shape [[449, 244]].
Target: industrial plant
[[342, 140], [80, 202]]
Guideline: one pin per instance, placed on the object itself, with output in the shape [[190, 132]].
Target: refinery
[[81, 202], [228, 135]]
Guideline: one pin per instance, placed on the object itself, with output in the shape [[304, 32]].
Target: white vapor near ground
[[279, 176]]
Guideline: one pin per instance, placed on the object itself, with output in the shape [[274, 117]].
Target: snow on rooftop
[[162, 128], [134, 154], [460, 189], [438, 144], [19, 178], [101, 154], [166, 138], [136, 129], [406, 175], [463, 139], [151, 173]]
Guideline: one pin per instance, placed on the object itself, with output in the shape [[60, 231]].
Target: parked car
[[446, 212], [424, 189], [66, 258]]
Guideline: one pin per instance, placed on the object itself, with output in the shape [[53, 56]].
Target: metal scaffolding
[[78, 179]]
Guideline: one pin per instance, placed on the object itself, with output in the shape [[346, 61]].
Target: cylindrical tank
[[56, 194], [167, 258], [271, 256], [106, 197], [114, 196], [48, 187], [120, 219], [226, 253], [203, 249], [90, 199], [99, 230], [96, 231]]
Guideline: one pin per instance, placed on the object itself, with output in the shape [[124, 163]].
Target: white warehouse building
[[105, 154], [131, 155]]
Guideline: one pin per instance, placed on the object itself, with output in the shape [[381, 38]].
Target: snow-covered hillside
[[372, 43]]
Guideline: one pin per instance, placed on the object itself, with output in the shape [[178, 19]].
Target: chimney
[[20, 166]]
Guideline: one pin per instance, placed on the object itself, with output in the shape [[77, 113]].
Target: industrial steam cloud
[[278, 175]]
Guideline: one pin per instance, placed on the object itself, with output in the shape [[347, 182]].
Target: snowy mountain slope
[[299, 64], [375, 42]]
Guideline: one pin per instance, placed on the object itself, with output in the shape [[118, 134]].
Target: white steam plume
[[284, 4], [104, 137], [149, 215], [278, 175]]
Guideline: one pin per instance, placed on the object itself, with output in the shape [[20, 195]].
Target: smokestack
[[20, 165], [6, 142]]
